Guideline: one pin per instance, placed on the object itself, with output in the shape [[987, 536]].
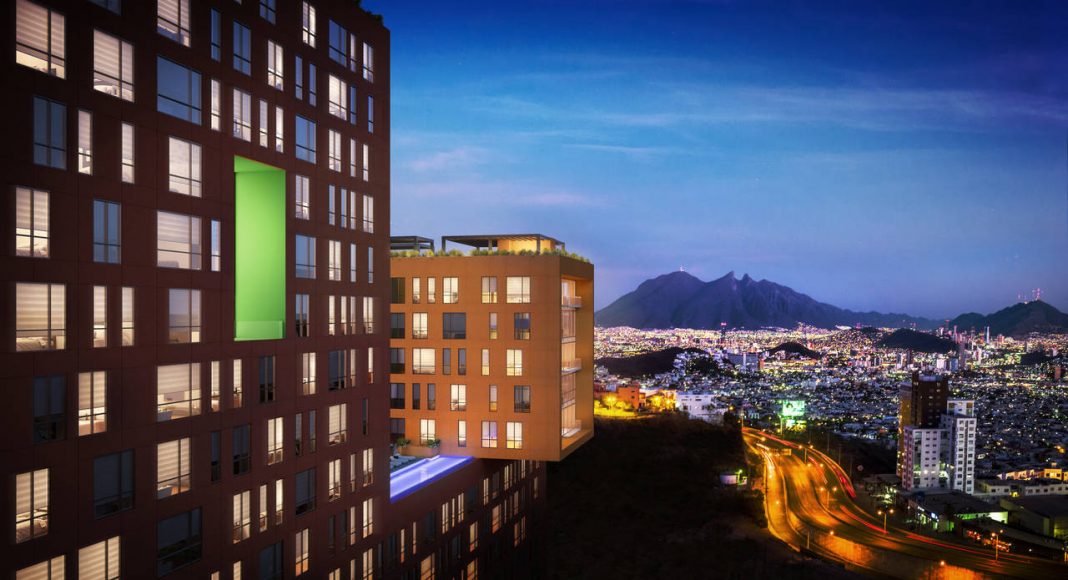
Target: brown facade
[[545, 368], [133, 420]]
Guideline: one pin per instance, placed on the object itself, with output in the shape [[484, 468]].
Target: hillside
[[796, 348], [680, 300], [650, 363], [906, 339], [1016, 320]]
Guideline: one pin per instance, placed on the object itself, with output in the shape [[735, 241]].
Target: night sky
[[908, 158]]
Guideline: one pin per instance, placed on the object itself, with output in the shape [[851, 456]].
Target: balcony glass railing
[[571, 301], [570, 366]]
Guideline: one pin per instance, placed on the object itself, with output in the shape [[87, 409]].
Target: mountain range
[[680, 300]]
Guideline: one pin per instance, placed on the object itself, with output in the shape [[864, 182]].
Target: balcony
[[571, 366], [571, 301]]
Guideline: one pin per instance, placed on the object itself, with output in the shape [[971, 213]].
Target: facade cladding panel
[[126, 326]]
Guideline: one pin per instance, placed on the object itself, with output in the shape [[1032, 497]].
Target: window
[[305, 139], [450, 291], [300, 312], [311, 84], [368, 517], [416, 399], [489, 289], [493, 398], [39, 39], [352, 120], [423, 361], [352, 262], [92, 403], [242, 518], [366, 162], [178, 241], [396, 360], [368, 463], [49, 133], [454, 325], [485, 362], [515, 435], [242, 48], [493, 326], [183, 316], [369, 314], [242, 115], [31, 505], [100, 316], [267, 379], [427, 431], [85, 142], [342, 369], [184, 167], [521, 325], [419, 325], [113, 66], [352, 152], [101, 560], [215, 101], [106, 232], [40, 317], [333, 269], [298, 82], [521, 398], [49, 404], [396, 395], [461, 433], [216, 246], [172, 20], [177, 391], [307, 24], [446, 361], [338, 424], [518, 289], [216, 35], [242, 457], [301, 551], [113, 483], [396, 325], [178, 542], [333, 484], [461, 361], [31, 222], [305, 491], [370, 114], [368, 215], [307, 363], [178, 90], [337, 93], [172, 468], [305, 257], [279, 504], [268, 10], [127, 153], [333, 150], [458, 400], [261, 130], [368, 62], [489, 434], [275, 65], [271, 562], [215, 386]]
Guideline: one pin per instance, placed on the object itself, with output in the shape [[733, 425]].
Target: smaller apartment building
[[491, 353]]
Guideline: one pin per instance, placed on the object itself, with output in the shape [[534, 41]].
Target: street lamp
[[996, 535], [885, 513]]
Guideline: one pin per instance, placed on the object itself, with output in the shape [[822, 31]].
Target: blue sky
[[896, 157]]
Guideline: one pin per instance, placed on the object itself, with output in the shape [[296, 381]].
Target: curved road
[[810, 505]]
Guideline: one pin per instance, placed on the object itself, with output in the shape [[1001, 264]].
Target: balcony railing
[[571, 366], [571, 301]]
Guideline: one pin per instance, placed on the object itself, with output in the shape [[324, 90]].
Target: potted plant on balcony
[[401, 444]]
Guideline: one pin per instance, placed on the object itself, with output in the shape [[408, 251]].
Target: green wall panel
[[260, 251]]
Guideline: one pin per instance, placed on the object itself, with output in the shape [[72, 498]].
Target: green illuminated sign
[[259, 251], [793, 408]]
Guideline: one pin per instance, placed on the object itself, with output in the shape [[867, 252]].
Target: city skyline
[[877, 160]]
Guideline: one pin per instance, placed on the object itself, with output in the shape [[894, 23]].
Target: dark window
[[242, 48], [305, 138], [461, 361], [446, 361], [266, 379], [271, 562], [396, 360], [178, 542], [396, 395], [113, 483], [216, 455], [178, 91], [242, 457], [521, 394], [298, 434], [106, 231], [49, 133], [311, 431], [305, 491], [49, 402], [396, 324], [396, 428], [522, 326], [331, 524], [216, 35], [454, 325], [415, 396], [431, 397], [365, 416], [396, 295], [337, 363]]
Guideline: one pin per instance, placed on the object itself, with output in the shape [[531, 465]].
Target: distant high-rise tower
[[922, 404]]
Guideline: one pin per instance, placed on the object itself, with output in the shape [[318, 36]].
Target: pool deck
[[410, 478]]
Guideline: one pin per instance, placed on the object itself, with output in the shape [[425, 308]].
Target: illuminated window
[[261, 130], [307, 363], [100, 316], [427, 431], [493, 398], [183, 316], [368, 517], [450, 290], [461, 433], [302, 197], [113, 62], [172, 20], [172, 468], [275, 436], [485, 362], [242, 517], [368, 314], [102, 560], [337, 91], [419, 325], [51, 569], [301, 549], [368, 62], [517, 289], [489, 434], [279, 130], [40, 317], [307, 24], [368, 214], [238, 384], [513, 363], [334, 150], [514, 432], [333, 480], [184, 167], [127, 153], [31, 505], [85, 143], [368, 463], [40, 39], [333, 269], [458, 398], [92, 403], [338, 424], [216, 386], [242, 128], [177, 391], [31, 222], [426, 568], [366, 162], [423, 361], [216, 105]]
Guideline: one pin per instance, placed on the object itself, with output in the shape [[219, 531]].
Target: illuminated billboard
[[792, 415]]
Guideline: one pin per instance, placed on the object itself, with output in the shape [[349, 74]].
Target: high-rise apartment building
[[922, 404], [491, 352], [958, 444], [936, 455], [194, 289]]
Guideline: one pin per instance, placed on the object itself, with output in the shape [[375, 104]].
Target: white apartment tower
[[958, 444]]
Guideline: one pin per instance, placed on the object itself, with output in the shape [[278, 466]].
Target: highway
[[810, 506]]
